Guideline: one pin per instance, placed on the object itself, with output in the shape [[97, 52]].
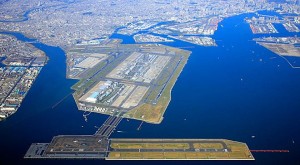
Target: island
[[100, 146], [132, 80], [142, 38], [197, 40], [89, 147], [263, 24], [282, 46]]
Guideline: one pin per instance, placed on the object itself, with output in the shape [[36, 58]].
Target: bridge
[[108, 126]]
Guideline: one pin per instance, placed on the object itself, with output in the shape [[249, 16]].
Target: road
[[108, 126]]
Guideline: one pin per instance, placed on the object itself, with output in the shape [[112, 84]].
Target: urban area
[[23, 63], [132, 81]]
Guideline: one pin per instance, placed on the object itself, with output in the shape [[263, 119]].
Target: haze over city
[[93, 81]]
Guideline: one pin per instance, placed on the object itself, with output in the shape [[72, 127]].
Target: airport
[[100, 146], [130, 79]]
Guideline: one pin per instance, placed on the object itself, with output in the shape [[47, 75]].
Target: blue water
[[232, 91]]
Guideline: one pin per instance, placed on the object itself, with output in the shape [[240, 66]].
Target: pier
[[269, 150]]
